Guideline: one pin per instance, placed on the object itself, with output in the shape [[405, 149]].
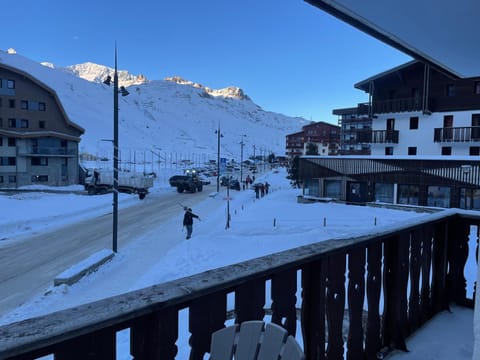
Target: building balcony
[[355, 297], [457, 134], [384, 137], [396, 105], [47, 151], [390, 106]]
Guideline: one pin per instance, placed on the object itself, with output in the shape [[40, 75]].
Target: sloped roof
[[441, 33]]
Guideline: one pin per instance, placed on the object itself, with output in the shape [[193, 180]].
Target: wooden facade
[[416, 86], [461, 177]]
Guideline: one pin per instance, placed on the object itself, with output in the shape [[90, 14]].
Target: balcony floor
[[447, 336]]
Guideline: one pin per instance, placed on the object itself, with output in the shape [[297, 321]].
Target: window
[[414, 123], [41, 106], [1, 122], [10, 84], [332, 189], [0, 101], [39, 178], [408, 194], [12, 142], [11, 103], [41, 124], [1, 179], [450, 90], [470, 199], [384, 193], [446, 150], [438, 196], [389, 150], [24, 123], [12, 179], [474, 150], [1, 141], [12, 123], [8, 161], [39, 161], [476, 88], [24, 105], [412, 150]]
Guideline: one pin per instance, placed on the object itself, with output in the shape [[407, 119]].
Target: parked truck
[[190, 181], [101, 181]]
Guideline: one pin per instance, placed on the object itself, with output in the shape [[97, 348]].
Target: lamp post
[[115, 149], [219, 135], [242, 144]]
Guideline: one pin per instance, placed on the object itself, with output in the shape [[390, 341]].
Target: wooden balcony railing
[[387, 284], [397, 105], [457, 134], [384, 137]]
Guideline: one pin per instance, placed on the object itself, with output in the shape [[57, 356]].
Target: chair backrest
[[254, 340]]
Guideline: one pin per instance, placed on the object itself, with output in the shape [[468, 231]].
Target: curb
[[83, 268]]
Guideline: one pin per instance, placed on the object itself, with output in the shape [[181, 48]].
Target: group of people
[[261, 189]]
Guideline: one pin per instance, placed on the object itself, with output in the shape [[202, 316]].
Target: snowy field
[[258, 227]]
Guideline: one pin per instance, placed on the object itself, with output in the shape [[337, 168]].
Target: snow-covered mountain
[[174, 115]]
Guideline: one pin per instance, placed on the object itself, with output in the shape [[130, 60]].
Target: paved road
[[29, 266]]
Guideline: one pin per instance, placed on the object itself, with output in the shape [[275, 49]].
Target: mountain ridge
[[173, 114]]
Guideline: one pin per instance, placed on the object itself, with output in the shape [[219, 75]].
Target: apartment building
[[38, 142], [418, 110], [424, 142], [325, 136], [355, 130]]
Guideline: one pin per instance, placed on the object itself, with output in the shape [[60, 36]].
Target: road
[[30, 265]]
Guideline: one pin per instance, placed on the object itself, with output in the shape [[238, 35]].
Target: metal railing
[[47, 150], [387, 285], [384, 137], [457, 134]]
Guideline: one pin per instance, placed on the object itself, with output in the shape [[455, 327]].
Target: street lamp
[[242, 144], [124, 92], [219, 135]]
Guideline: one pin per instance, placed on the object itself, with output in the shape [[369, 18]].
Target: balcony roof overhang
[[425, 30]]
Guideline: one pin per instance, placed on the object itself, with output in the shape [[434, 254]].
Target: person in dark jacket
[[188, 221]]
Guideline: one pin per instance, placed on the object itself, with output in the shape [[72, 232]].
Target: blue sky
[[288, 56]]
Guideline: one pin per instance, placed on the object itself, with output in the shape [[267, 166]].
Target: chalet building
[[423, 181], [324, 135], [355, 130], [418, 110], [423, 131], [38, 142]]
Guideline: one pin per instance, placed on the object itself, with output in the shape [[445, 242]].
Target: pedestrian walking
[[188, 220]]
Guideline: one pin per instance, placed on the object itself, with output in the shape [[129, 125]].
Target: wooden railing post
[[439, 268], [457, 257], [374, 286], [207, 315], [335, 304], [99, 345], [313, 309], [284, 311], [396, 265], [356, 296], [250, 301], [154, 336]]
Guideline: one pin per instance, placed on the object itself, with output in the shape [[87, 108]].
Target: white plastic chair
[[254, 340]]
